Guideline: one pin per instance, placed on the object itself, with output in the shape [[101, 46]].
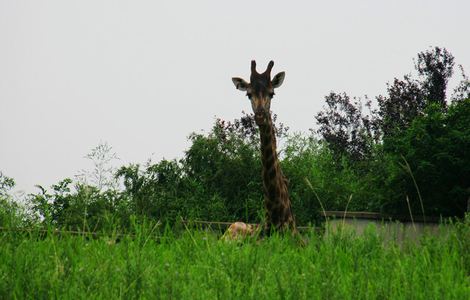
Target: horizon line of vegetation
[[406, 157]]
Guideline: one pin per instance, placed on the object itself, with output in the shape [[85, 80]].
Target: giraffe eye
[[271, 94], [249, 95]]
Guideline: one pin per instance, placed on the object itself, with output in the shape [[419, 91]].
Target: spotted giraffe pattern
[[277, 204]]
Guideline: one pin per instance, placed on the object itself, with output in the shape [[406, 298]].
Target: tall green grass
[[196, 265]]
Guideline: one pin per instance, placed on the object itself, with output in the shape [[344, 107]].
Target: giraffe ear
[[240, 84], [278, 79]]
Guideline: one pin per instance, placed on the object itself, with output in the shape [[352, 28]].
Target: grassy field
[[196, 265]]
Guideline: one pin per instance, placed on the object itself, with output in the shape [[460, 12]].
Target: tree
[[404, 102], [406, 99], [226, 164], [345, 128], [6, 184], [462, 91], [435, 147], [436, 67], [10, 211]]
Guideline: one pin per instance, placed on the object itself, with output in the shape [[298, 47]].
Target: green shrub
[[82, 208], [435, 147], [315, 174], [11, 213]]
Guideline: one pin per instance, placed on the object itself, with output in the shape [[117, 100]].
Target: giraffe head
[[260, 90]]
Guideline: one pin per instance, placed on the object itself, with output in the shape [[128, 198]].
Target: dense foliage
[[435, 149], [9, 209], [413, 147]]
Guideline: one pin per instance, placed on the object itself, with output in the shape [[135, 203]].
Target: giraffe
[[260, 91]]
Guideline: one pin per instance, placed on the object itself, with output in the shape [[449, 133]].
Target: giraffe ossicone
[[260, 91]]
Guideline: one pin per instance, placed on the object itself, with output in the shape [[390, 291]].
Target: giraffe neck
[[276, 199], [269, 159]]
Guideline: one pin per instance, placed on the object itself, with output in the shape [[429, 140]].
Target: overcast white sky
[[142, 75]]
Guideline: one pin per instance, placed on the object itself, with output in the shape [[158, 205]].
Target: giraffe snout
[[260, 111], [259, 116]]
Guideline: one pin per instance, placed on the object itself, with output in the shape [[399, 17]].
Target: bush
[[316, 175], [227, 166], [85, 208], [436, 149], [11, 213]]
